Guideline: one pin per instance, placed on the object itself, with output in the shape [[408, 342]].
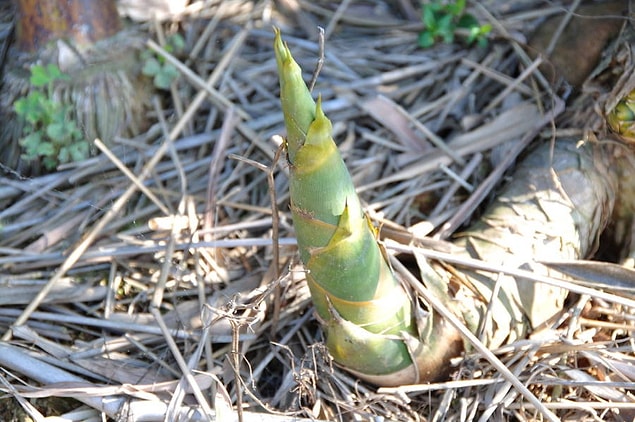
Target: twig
[[235, 353], [341, 8], [180, 361], [134, 179], [215, 166], [561, 27], [476, 264], [320, 61]]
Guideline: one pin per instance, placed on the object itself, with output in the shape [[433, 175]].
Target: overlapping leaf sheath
[[554, 208], [367, 315]]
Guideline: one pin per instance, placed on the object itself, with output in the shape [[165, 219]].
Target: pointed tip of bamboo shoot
[[320, 130], [297, 104], [288, 68], [345, 226], [280, 48]]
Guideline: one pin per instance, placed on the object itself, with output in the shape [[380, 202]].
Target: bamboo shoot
[[368, 316]]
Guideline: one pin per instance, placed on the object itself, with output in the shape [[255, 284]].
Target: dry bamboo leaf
[[607, 393], [388, 113], [21, 292], [507, 126], [597, 274]]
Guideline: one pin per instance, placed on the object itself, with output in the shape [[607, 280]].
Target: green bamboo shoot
[[621, 119], [368, 316]]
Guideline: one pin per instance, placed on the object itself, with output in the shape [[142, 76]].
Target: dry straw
[[174, 286]]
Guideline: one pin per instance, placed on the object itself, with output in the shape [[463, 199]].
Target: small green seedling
[[442, 19], [50, 133], [154, 66]]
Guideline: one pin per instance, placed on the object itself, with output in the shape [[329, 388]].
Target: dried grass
[[162, 255]]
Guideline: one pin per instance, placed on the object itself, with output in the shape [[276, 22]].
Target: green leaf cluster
[[442, 19], [49, 133], [155, 66]]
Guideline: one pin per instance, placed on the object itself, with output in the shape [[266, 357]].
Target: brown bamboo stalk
[[104, 90], [82, 21]]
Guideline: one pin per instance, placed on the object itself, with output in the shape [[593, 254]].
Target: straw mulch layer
[[164, 256]]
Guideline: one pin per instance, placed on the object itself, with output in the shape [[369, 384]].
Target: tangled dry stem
[[164, 256]]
